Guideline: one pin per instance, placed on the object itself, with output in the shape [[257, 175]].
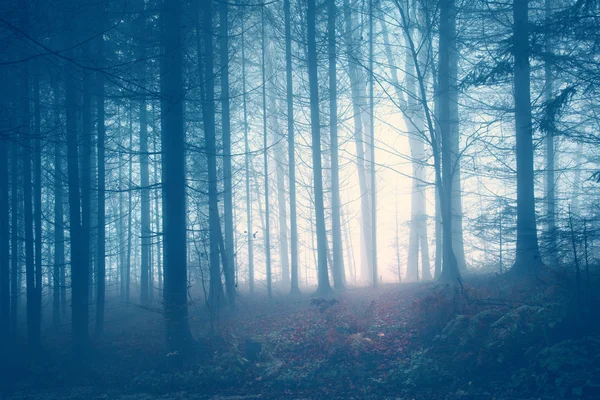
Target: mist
[[299, 199]]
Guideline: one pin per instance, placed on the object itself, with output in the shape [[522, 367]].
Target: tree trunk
[[450, 271], [372, 151], [79, 266], [14, 241], [528, 258], [265, 158], [226, 131], [338, 255], [249, 229], [178, 334], [33, 327], [323, 277], [145, 200], [37, 198], [550, 151], [208, 110], [358, 99], [4, 228], [101, 266], [295, 289]]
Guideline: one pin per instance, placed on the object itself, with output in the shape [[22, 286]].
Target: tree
[[291, 148], [226, 130], [173, 180], [339, 278], [267, 230], [450, 271], [323, 281], [528, 259]]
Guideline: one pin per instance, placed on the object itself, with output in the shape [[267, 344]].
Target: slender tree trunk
[[4, 229], [85, 176], [33, 327], [291, 149], [79, 265], [216, 288], [338, 255], [157, 215], [226, 130], [282, 212], [249, 229], [59, 233], [14, 241], [528, 258], [265, 158], [178, 333], [101, 267], [145, 200], [360, 122], [37, 198], [129, 209], [313, 79], [372, 151], [550, 151]]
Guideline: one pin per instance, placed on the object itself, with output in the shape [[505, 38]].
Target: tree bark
[[265, 157], [178, 334], [528, 259], [226, 131], [323, 277]]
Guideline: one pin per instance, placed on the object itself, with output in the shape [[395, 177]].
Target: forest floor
[[490, 338]]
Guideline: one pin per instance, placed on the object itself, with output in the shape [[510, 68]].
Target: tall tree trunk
[[33, 327], [338, 255], [101, 267], [145, 200], [85, 177], [129, 208], [14, 241], [249, 229], [79, 266], [456, 196], [528, 258], [226, 130], [4, 227], [178, 333], [372, 151], [313, 80], [37, 197], [359, 96], [450, 271], [295, 289], [157, 215], [59, 233], [208, 110], [265, 157], [550, 151]]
